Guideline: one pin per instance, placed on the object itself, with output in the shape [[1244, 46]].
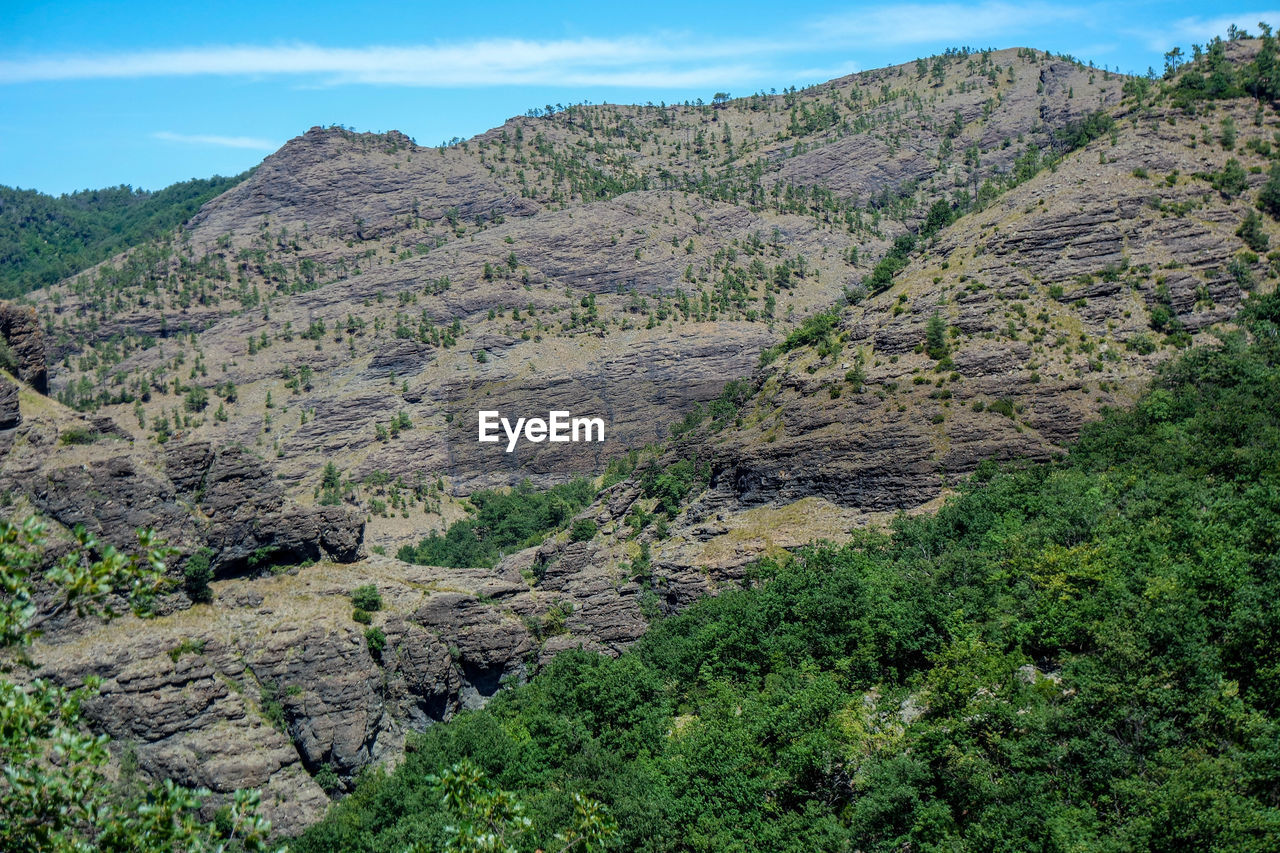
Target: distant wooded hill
[[44, 238]]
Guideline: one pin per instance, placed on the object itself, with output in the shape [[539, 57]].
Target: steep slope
[[610, 258], [1057, 300], [621, 260]]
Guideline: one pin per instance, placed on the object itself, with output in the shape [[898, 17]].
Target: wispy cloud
[[680, 60], [620, 62], [220, 141]]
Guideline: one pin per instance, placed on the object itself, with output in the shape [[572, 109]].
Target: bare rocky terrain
[[359, 297]]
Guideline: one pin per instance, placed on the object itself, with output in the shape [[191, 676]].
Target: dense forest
[[44, 239], [1075, 655]]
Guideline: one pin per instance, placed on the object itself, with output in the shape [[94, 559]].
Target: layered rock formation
[[359, 297], [20, 330]]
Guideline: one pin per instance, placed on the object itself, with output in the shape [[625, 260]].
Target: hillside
[[1074, 655], [44, 239], [385, 278], [910, 272]]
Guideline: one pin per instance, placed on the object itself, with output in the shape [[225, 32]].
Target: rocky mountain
[[912, 271]]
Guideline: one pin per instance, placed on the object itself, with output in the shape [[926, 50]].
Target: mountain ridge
[[657, 295]]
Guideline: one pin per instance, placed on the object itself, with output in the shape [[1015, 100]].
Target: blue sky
[[145, 93]]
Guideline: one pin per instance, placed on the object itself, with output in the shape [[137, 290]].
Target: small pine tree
[[1269, 196], [1251, 232], [935, 341]]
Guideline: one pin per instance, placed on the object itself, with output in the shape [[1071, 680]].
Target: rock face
[[20, 329], [360, 298], [274, 681], [1057, 300], [85, 472], [615, 262], [249, 519], [10, 416]]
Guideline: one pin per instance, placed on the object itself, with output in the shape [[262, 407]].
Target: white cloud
[[220, 141], [618, 62]]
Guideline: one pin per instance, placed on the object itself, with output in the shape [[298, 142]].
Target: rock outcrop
[[10, 415], [20, 330], [359, 298]]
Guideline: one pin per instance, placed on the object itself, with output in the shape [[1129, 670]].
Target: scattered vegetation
[[503, 521], [1070, 654]]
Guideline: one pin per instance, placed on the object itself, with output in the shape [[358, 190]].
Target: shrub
[[8, 361], [1232, 180], [367, 598], [583, 529], [1141, 344], [503, 522], [78, 435], [1003, 406], [196, 400], [1269, 195], [328, 779], [196, 576], [377, 641], [1251, 232], [361, 616]]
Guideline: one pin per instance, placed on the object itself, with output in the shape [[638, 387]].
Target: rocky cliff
[[339, 314]]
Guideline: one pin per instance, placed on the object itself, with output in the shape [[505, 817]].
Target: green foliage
[[1232, 180], [196, 575], [78, 435], [503, 522], [8, 361], [619, 469], [330, 485], [271, 706], [186, 647], [1080, 132], [327, 778], [895, 260], [940, 215], [1141, 343], [1076, 655], [376, 640], [44, 239], [196, 399], [811, 331], [671, 484], [486, 818], [583, 530], [367, 598], [935, 340], [1251, 232], [1002, 406], [1269, 195], [361, 616], [55, 794], [722, 410], [1214, 77]]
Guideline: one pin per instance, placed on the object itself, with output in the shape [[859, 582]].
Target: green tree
[[54, 793], [935, 338], [1269, 195], [1251, 232], [1232, 180], [197, 399], [196, 576], [488, 818], [367, 598]]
